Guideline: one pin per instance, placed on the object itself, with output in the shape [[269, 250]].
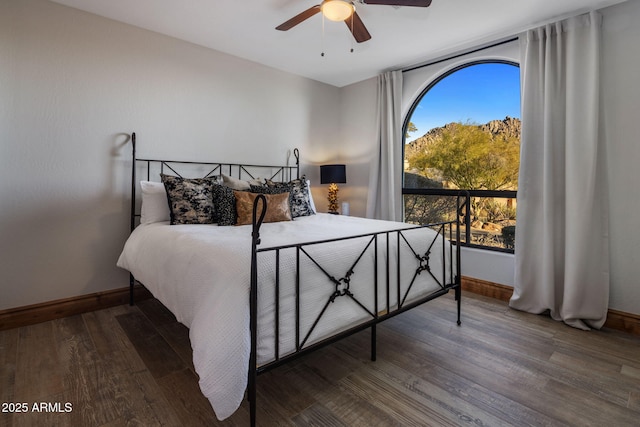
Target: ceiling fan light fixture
[[337, 10]]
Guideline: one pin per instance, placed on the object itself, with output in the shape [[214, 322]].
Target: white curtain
[[384, 200], [562, 259]]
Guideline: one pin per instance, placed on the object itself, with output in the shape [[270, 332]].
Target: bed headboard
[[150, 170]]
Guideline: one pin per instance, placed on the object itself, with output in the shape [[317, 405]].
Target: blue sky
[[477, 94]]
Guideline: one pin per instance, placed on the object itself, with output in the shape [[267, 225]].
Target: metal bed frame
[[449, 278]]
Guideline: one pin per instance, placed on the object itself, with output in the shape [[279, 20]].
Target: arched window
[[463, 132]]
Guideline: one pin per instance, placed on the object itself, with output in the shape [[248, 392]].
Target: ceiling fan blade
[[414, 3], [299, 18], [357, 28]]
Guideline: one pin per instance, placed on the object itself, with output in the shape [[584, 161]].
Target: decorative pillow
[[225, 203], [190, 200], [311, 204], [277, 207], [299, 197], [238, 184], [284, 187], [154, 203], [260, 189]]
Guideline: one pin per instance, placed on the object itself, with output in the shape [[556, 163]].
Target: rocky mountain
[[509, 126]]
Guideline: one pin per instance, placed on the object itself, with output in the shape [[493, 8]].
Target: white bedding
[[202, 274]]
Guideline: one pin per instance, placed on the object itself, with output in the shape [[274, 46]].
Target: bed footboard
[[398, 267]]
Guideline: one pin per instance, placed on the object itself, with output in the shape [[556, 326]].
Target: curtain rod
[[514, 38], [458, 55]]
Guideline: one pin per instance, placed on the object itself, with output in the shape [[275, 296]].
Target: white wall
[[72, 85], [357, 141], [621, 99]]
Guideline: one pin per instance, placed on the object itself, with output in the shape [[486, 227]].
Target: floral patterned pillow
[[190, 200], [298, 195]]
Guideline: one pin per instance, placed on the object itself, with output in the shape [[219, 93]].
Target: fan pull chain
[[322, 52], [351, 38]]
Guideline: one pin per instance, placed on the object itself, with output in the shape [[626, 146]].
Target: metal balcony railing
[[488, 216]]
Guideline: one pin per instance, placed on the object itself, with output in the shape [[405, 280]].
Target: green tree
[[410, 129], [470, 158]]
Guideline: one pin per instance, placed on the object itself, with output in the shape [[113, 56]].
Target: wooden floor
[[132, 366]]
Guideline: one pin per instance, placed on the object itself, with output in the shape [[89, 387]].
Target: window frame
[[507, 194]]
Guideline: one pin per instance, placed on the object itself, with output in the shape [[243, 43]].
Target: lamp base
[[333, 198]]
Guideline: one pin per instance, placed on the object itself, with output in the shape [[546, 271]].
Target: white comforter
[[202, 274]]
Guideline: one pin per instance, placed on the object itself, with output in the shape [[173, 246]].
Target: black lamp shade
[[333, 174]]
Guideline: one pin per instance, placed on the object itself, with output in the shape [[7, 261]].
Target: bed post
[[133, 206], [296, 153], [253, 304]]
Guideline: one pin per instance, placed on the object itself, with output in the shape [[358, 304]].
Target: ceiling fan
[[345, 10]]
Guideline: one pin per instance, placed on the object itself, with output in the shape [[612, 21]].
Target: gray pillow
[[239, 184]]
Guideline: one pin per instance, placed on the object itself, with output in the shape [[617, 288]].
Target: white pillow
[[311, 204], [155, 206]]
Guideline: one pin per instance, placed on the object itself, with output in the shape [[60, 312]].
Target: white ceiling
[[400, 36]]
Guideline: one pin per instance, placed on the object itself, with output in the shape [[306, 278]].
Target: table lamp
[[333, 175]]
